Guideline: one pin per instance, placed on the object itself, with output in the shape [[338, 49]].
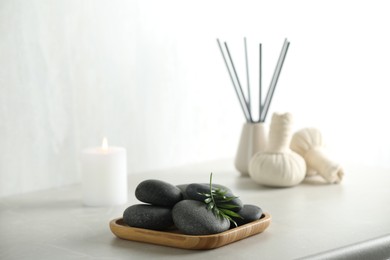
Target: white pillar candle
[[104, 175]]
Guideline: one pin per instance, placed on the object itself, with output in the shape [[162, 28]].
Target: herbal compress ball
[[308, 142], [278, 166]]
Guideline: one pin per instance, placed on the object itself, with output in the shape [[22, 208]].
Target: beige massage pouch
[[308, 142], [278, 166]]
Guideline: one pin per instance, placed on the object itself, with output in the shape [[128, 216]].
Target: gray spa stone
[[158, 193], [191, 217], [183, 188], [192, 192], [248, 213], [148, 216]]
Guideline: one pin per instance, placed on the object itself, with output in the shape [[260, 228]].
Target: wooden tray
[[175, 239]]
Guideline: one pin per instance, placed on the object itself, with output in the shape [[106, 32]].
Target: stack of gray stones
[[182, 207]]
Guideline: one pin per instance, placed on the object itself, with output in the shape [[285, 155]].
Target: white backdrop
[[149, 76]]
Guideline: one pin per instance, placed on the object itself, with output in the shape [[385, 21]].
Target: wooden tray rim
[[265, 220]]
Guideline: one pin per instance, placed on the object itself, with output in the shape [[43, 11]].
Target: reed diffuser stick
[[274, 81], [234, 85], [247, 77], [246, 104], [238, 82], [260, 81]]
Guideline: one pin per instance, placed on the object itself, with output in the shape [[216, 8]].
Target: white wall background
[[149, 76]]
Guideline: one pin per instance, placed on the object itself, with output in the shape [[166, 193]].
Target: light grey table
[[306, 219]]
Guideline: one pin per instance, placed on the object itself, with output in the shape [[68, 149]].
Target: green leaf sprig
[[217, 202]]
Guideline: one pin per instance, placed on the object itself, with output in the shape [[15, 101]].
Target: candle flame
[[105, 144]]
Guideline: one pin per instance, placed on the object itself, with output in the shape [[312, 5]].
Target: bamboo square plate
[[176, 239]]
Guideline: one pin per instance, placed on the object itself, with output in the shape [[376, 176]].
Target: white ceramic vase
[[253, 139]]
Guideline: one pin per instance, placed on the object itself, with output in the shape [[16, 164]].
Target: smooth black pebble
[[248, 213], [183, 188], [194, 191], [148, 217], [158, 193], [192, 217]]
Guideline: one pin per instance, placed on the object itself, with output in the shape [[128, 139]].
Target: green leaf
[[227, 206], [204, 194], [223, 192], [230, 213], [216, 201], [231, 220], [208, 200]]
